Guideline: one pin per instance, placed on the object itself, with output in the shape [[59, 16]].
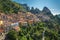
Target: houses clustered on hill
[[11, 21]]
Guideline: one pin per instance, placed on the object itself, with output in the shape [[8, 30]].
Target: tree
[[12, 35]]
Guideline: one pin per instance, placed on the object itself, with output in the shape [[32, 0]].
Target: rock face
[[45, 14], [45, 9], [35, 11]]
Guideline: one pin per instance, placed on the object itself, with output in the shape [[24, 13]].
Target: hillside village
[[11, 21]]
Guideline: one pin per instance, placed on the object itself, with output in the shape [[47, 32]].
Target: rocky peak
[[45, 9], [35, 11]]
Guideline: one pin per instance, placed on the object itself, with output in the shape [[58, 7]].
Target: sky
[[53, 5]]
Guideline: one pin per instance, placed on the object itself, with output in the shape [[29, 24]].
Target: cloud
[[55, 11]]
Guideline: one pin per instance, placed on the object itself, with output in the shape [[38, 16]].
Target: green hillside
[[7, 6]]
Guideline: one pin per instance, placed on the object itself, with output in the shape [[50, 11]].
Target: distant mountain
[[46, 11], [45, 14], [35, 11]]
